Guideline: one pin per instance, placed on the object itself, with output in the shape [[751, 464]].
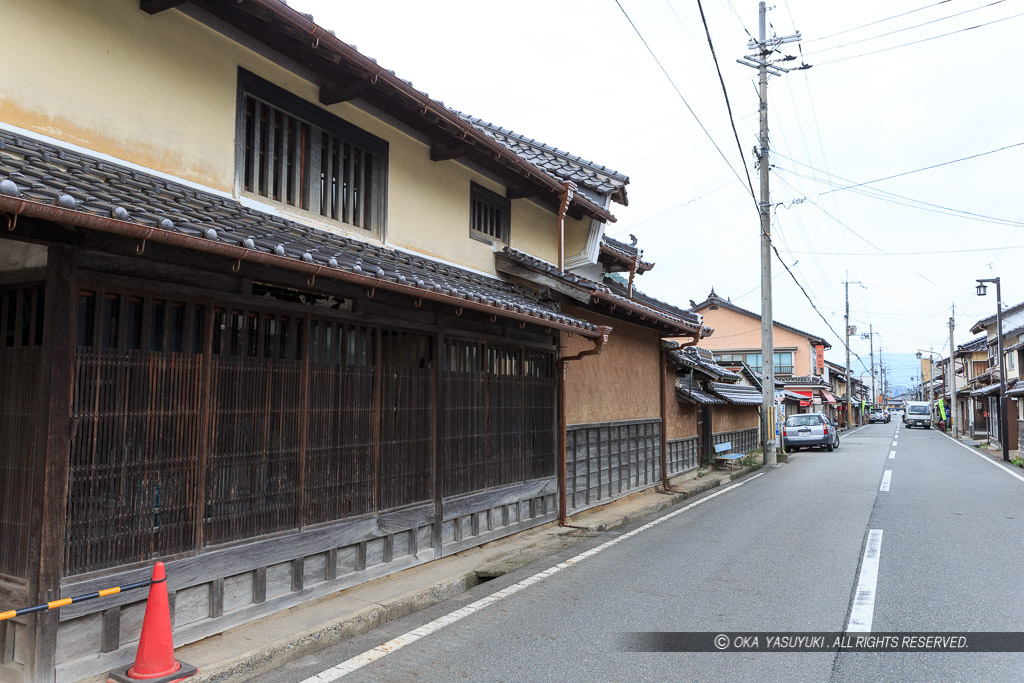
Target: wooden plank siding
[[273, 454], [683, 455], [608, 460], [742, 440]]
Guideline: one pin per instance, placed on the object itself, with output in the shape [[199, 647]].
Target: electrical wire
[[906, 28], [878, 21], [680, 94], [928, 168], [943, 209], [918, 204], [915, 42], [728, 106], [906, 253]]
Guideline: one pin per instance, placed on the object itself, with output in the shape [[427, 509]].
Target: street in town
[[782, 552]]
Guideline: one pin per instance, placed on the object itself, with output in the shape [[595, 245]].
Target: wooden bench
[[724, 458]]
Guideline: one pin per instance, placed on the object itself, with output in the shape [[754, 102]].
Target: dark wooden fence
[[608, 460]]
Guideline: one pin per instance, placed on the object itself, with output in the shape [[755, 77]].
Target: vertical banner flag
[[942, 409], [819, 354]]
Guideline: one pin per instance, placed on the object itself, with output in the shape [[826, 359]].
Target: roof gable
[[715, 300]]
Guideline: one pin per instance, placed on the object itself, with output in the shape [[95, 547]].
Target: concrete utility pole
[[759, 60], [871, 336], [952, 377], [849, 379]]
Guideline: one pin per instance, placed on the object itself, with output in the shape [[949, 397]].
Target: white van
[[916, 414]]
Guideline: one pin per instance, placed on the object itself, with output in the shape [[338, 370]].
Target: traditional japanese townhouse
[[985, 391], [252, 323], [799, 360], [619, 421], [714, 407]]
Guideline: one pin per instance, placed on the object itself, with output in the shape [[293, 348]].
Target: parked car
[[808, 430], [917, 415]]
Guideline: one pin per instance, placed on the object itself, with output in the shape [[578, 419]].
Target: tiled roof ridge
[[476, 121], [655, 302], [48, 174]]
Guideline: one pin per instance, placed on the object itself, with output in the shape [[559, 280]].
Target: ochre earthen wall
[[680, 418], [729, 418], [620, 384]]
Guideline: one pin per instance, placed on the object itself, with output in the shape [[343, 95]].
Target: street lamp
[[981, 289], [931, 380]]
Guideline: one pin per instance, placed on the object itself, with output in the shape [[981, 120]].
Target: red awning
[[829, 398]]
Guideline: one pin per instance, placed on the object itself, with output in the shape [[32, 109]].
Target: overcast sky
[[577, 76]]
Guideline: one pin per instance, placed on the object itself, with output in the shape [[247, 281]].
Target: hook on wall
[[12, 221]]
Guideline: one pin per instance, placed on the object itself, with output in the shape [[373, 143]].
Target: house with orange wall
[[737, 341]]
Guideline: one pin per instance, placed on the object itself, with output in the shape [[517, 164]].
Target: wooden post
[[50, 471]]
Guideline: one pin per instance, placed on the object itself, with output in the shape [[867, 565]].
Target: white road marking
[[886, 478], [984, 457], [892, 455], [383, 650], [863, 610]]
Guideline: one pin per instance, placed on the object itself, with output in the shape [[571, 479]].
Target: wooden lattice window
[[489, 214], [499, 416], [21, 319], [256, 402], [292, 152], [136, 409]]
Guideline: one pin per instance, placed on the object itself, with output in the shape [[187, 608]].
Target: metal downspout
[[563, 364], [568, 192], [664, 421]]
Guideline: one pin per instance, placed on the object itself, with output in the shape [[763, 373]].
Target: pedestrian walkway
[[261, 646]]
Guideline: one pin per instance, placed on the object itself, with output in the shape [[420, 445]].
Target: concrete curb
[[528, 546], [352, 624]]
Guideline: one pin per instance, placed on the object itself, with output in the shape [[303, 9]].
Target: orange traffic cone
[[154, 660]]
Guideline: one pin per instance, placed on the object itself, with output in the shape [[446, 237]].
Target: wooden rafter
[[157, 6]]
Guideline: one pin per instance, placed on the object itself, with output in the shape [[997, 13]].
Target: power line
[[911, 203], [906, 28], [879, 21], [906, 253], [923, 40], [680, 94], [728, 106], [928, 168]]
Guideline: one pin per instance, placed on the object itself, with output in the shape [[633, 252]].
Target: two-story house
[[985, 391], [273, 316], [798, 356]]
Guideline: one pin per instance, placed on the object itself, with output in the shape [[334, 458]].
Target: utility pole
[[849, 379], [871, 336], [759, 60], [952, 376]]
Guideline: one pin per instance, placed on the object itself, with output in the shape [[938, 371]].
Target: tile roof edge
[[569, 156]]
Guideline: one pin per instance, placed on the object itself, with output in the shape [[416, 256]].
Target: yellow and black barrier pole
[[54, 604]]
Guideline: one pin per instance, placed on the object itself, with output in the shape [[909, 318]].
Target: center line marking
[[892, 455], [384, 649], [886, 478], [862, 613]]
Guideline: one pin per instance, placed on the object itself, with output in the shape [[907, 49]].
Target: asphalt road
[[782, 552]]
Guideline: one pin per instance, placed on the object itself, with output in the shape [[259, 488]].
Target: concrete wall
[[620, 384], [738, 332], [160, 91]]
